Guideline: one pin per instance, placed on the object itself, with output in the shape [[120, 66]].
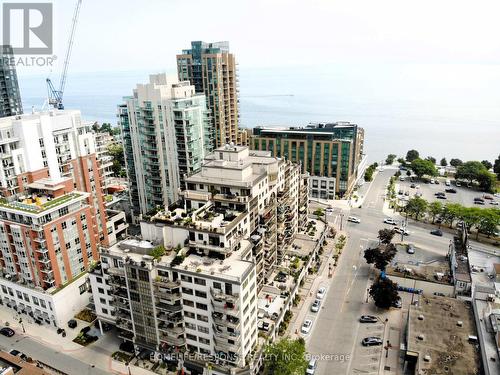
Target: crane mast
[[55, 97]]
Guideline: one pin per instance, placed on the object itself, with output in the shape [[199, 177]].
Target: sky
[[115, 35]]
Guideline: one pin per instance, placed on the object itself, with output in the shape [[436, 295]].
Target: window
[[191, 337], [99, 280], [189, 314], [201, 306], [188, 279], [100, 290], [143, 275], [202, 318], [82, 288], [204, 341], [191, 326], [217, 285], [198, 281], [201, 294], [26, 297], [203, 329], [187, 302], [104, 311], [187, 291], [42, 303], [35, 300], [102, 300]]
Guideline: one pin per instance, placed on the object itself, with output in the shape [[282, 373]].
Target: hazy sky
[[147, 34]]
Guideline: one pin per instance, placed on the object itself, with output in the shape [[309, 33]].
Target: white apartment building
[[221, 243], [102, 142], [166, 134]]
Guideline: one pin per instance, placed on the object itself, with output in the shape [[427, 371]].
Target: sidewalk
[[311, 285]]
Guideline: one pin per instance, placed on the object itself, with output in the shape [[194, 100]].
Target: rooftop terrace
[[40, 203]]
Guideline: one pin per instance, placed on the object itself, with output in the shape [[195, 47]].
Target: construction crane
[[55, 97]]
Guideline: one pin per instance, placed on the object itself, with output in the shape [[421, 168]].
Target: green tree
[[105, 128], [384, 292], [116, 151], [434, 209], [487, 181], [431, 159], [386, 235], [157, 252], [487, 164], [319, 212], [496, 167], [489, 221], [285, 357], [380, 256], [416, 206], [443, 162], [456, 162], [470, 216], [451, 212], [412, 155], [423, 167], [401, 161], [390, 159], [470, 170]]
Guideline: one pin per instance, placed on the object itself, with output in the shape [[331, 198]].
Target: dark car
[[451, 190], [6, 331], [72, 323], [412, 186], [479, 202], [437, 232], [439, 220], [368, 319], [371, 341]]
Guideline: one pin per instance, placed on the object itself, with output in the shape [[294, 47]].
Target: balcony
[[218, 294], [123, 324], [169, 308], [224, 345], [225, 307], [169, 318], [173, 340], [116, 271], [166, 283], [126, 335], [230, 321]]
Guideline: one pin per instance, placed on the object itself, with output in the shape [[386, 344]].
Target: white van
[[448, 183]]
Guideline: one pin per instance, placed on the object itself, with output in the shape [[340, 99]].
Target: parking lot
[[366, 359], [464, 195]]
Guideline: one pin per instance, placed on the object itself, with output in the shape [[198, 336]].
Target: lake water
[[440, 110]]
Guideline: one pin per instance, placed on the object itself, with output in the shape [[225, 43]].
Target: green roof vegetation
[[34, 208]]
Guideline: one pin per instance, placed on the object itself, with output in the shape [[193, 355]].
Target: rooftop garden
[[38, 207]]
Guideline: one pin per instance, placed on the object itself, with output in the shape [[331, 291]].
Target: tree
[[319, 212], [105, 128], [385, 235], [416, 206], [489, 221], [470, 170], [369, 171], [384, 292], [451, 212], [487, 164], [455, 162], [443, 162], [116, 151], [158, 252], [423, 167], [487, 181], [380, 256], [412, 155], [431, 159], [496, 167], [285, 357], [390, 159], [401, 161], [434, 209]]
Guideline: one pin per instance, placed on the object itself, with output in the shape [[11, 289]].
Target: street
[[337, 333]]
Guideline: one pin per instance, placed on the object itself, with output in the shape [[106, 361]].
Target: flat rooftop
[[439, 327], [423, 265], [233, 267], [41, 203]]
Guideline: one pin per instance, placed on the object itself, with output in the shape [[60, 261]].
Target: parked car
[[447, 183], [432, 181], [407, 193], [413, 186], [401, 230], [489, 197], [479, 199], [321, 293], [494, 203], [311, 367], [411, 249], [437, 232], [458, 184], [17, 353], [315, 305], [72, 323], [481, 203], [441, 196], [439, 220], [436, 182], [368, 319], [329, 210], [390, 220], [354, 219], [371, 341], [306, 326], [451, 190], [6, 331], [401, 178]]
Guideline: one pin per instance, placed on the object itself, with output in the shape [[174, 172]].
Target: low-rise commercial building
[[441, 338], [332, 154]]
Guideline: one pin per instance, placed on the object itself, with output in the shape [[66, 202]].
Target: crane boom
[[56, 96]]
